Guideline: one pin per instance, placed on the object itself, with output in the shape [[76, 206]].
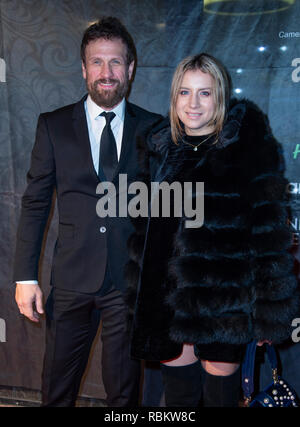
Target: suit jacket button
[[102, 229]]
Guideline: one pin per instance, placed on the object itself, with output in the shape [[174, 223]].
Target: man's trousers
[[72, 323]]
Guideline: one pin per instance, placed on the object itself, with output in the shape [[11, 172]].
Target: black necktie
[[108, 157]]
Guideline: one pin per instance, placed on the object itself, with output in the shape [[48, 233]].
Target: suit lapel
[[81, 130], [128, 140]]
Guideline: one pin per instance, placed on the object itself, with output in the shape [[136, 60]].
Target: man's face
[[106, 71]]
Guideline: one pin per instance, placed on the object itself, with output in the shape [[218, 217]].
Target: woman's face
[[195, 103]]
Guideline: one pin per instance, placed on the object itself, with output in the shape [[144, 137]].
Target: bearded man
[[76, 148]]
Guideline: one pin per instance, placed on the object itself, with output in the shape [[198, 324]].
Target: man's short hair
[[109, 28]]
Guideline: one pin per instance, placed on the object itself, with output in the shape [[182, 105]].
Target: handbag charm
[[278, 394]]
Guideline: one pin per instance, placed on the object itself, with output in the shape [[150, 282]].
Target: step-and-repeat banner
[[40, 70]]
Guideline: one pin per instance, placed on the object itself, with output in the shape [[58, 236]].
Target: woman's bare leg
[[221, 369], [187, 357]]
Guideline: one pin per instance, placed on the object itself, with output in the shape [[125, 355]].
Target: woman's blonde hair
[[221, 90]]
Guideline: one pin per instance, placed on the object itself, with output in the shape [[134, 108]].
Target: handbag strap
[[249, 364]]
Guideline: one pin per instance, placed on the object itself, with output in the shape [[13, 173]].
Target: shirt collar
[[94, 110]]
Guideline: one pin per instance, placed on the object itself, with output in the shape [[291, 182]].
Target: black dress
[[194, 148]]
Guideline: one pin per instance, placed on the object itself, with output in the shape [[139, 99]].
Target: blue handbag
[[278, 394]]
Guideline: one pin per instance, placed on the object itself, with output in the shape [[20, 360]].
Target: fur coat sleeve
[[275, 287]]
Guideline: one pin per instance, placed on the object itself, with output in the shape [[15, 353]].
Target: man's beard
[[108, 98]]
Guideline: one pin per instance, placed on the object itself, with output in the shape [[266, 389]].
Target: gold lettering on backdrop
[[245, 7]]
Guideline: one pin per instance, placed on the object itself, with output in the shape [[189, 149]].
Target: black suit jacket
[[61, 159]]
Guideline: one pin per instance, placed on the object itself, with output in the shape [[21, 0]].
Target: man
[[90, 253]]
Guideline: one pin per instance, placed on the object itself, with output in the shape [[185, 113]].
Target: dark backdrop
[[40, 70]]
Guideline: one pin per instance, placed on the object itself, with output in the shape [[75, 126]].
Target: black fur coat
[[231, 280]]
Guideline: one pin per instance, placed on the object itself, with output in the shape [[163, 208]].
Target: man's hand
[[29, 299]]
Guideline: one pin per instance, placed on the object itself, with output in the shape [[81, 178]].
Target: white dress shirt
[[96, 125]]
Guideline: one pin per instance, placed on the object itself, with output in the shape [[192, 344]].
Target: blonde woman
[[204, 293]]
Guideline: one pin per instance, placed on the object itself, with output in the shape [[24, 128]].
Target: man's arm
[[36, 204]]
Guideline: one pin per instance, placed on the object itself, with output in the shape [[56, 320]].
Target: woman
[[203, 293]]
